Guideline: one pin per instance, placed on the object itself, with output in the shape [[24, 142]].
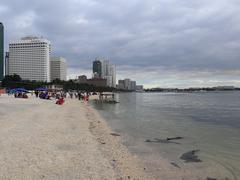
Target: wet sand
[[41, 140]]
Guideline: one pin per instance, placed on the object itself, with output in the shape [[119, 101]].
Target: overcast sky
[[163, 43]]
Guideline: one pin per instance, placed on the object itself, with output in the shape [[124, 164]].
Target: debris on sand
[[166, 141], [114, 163], [190, 156], [209, 178], [115, 134], [101, 141], [175, 165], [175, 138]]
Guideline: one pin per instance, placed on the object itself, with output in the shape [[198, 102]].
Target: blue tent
[[21, 90], [18, 90], [41, 89], [12, 91]]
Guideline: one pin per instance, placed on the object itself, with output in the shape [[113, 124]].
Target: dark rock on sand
[[165, 141], [210, 178], [115, 134], [175, 165], [175, 138], [190, 156]]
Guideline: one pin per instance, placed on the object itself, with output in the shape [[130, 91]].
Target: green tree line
[[15, 81]]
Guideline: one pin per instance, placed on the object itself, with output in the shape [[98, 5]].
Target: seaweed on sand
[[191, 156]]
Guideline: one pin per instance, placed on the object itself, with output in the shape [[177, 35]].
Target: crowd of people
[[62, 94], [21, 95], [59, 96]]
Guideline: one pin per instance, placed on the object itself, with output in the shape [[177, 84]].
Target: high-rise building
[[133, 85], [58, 68], [82, 79], [30, 58], [113, 75], [124, 84], [105, 68], [97, 69], [102, 69], [7, 63], [121, 84], [1, 51], [109, 80], [127, 84]]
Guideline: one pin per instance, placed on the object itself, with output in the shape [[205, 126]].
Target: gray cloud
[[181, 37]]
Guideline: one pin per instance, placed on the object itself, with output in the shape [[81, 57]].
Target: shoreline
[[41, 140], [125, 164]]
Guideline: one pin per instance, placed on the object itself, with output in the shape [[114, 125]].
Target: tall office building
[[58, 68], [109, 73], [133, 85], [127, 84], [105, 68], [6, 63], [121, 84], [97, 69], [1, 51], [102, 69], [30, 58], [113, 75]]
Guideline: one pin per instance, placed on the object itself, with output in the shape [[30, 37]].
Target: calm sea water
[[209, 122]]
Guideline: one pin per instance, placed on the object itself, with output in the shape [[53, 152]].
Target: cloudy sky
[[163, 43]]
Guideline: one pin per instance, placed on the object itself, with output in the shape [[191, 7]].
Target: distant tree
[[15, 78], [57, 81]]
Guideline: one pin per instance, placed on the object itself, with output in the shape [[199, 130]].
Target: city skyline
[[158, 43]]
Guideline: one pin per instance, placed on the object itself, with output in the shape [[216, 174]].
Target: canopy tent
[[41, 89], [18, 90]]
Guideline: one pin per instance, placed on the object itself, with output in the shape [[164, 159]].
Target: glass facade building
[[1, 51], [97, 68]]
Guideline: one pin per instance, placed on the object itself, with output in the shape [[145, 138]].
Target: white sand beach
[[41, 140]]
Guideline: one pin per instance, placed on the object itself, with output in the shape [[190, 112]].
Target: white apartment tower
[[58, 68], [30, 59], [105, 68]]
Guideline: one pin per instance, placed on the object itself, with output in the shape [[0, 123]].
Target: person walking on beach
[[36, 93], [86, 97], [71, 95], [79, 96], [76, 95]]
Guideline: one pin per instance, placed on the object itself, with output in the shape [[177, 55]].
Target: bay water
[[209, 122]]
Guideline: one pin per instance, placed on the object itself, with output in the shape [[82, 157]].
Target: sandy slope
[[40, 140]]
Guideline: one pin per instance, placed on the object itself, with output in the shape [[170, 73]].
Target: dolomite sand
[[41, 140]]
